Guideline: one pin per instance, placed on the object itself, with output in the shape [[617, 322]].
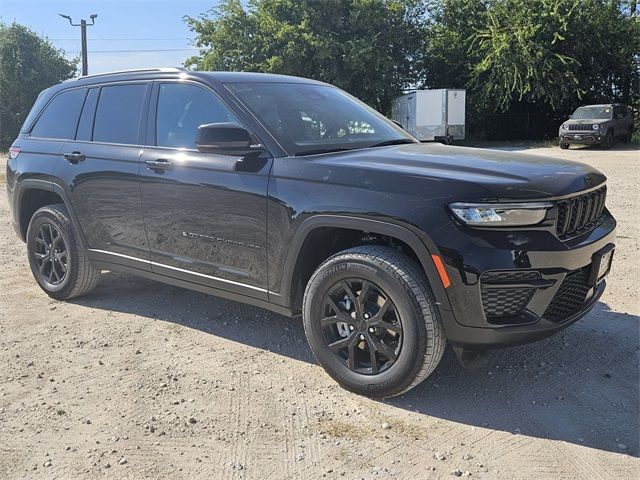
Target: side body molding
[[369, 225]]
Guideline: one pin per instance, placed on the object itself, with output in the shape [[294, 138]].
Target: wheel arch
[[294, 260], [32, 194]]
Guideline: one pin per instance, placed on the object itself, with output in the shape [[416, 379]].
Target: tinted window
[[86, 118], [182, 108], [60, 117], [118, 114]]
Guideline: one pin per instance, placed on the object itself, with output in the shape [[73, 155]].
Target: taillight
[[14, 152]]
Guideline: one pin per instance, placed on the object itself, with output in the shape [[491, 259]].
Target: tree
[[28, 64], [370, 48], [522, 55], [533, 60]]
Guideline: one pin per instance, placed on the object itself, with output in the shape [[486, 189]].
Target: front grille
[[582, 127], [580, 213], [570, 297], [506, 301]]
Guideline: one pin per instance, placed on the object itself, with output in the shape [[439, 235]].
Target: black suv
[[292, 195]]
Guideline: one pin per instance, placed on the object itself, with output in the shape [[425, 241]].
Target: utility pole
[[83, 33]]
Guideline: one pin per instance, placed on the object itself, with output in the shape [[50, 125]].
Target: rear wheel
[[608, 141], [56, 257], [371, 321]]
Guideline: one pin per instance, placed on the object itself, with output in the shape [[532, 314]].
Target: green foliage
[[521, 56], [533, 60], [28, 64], [370, 48], [552, 53]]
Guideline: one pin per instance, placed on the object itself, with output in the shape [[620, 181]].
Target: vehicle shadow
[[581, 386]]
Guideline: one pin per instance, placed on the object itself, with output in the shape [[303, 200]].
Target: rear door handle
[[159, 164], [74, 157]]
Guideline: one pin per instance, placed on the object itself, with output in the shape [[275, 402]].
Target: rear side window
[[182, 108], [60, 117], [118, 114]]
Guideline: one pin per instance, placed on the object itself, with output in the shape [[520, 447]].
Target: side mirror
[[226, 139], [620, 116]]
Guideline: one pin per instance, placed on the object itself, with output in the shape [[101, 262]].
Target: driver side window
[[182, 108]]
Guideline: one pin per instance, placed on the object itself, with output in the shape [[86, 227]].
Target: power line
[[120, 39], [140, 51]]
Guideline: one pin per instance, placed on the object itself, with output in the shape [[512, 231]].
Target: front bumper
[[475, 323], [582, 138]]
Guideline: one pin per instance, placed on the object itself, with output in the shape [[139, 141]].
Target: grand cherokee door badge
[[219, 239]]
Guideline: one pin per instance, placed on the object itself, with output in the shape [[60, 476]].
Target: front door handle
[[74, 157], [159, 164]]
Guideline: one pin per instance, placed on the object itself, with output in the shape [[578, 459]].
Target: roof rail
[[134, 70]]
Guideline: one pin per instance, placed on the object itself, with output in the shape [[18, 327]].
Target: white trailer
[[432, 114]]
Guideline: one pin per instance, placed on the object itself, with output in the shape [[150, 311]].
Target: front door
[[205, 217]]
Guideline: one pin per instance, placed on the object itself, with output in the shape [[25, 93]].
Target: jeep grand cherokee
[[291, 195]]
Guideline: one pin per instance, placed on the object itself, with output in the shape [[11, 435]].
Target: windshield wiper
[[321, 150], [397, 141]]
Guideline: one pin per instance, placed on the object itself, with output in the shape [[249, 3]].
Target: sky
[[127, 34]]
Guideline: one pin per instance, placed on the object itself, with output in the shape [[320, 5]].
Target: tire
[[58, 261], [410, 330], [628, 136], [608, 141], [564, 146]]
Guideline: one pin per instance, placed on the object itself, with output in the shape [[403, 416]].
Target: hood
[[507, 175], [585, 121]]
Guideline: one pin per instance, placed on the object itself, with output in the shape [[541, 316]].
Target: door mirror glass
[[225, 139]]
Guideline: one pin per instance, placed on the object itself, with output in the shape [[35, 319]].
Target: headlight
[[565, 126], [500, 214], [595, 126]]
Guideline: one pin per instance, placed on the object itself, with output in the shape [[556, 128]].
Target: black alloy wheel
[[371, 321], [57, 259], [50, 254], [361, 326]]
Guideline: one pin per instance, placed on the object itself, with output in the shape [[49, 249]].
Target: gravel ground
[[143, 380]]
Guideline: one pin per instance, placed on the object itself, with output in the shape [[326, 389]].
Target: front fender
[[422, 246]]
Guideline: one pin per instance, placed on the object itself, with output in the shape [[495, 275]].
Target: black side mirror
[[226, 139], [619, 116]]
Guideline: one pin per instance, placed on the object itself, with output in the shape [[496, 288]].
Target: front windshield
[[595, 113], [307, 118]]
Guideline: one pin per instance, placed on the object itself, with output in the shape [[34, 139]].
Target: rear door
[[205, 214], [42, 146], [100, 170]]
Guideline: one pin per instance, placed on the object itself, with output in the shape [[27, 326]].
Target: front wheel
[[608, 141], [371, 321], [56, 257], [629, 135], [564, 145]]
